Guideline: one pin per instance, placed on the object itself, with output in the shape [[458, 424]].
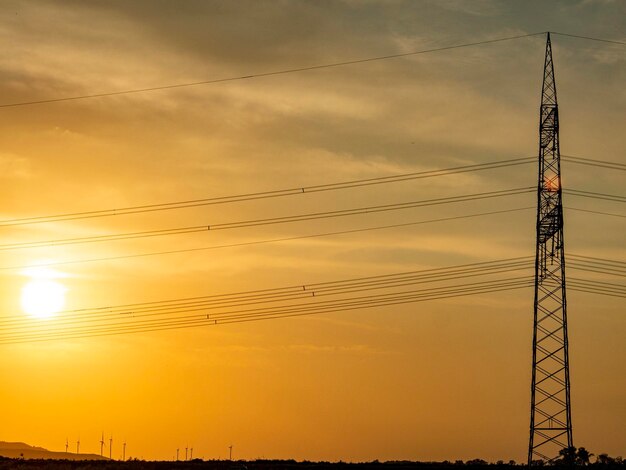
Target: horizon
[[38, 455]]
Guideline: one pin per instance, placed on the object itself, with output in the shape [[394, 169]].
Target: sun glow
[[42, 297]]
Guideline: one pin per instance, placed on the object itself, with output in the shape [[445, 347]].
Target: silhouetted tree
[[582, 456], [568, 455], [604, 459], [476, 462]]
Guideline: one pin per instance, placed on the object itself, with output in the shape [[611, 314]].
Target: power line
[[608, 262], [600, 287], [298, 287], [285, 239], [610, 214], [285, 192], [595, 291], [273, 240], [599, 264], [295, 191], [304, 217], [259, 317], [173, 316], [423, 275], [611, 290], [268, 194], [271, 221], [292, 292], [273, 312], [297, 300], [267, 311], [599, 284], [592, 266], [597, 269], [265, 74], [294, 301], [589, 38], [294, 70], [595, 163], [595, 195]]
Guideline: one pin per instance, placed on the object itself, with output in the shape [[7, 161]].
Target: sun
[[42, 297]]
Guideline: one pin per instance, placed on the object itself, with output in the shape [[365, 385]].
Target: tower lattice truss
[[550, 415]]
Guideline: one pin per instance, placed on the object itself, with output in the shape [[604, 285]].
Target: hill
[[17, 450]]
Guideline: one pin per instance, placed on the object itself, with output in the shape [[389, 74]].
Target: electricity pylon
[[550, 412]]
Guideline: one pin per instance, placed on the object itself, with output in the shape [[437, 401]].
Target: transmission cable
[[610, 214], [249, 318], [294, 292], [273, 220], [284, 239], [595, 163], [271, 312], [600, 284], [308, 287], [272, 240], [294, 70], [280, 311], [589, 38], [608, 262], [595, 195], [265, 74], [595, 268], [268, 194], [296, 191], [595, 287]]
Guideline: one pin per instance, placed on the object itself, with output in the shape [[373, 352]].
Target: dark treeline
[[602, 461]]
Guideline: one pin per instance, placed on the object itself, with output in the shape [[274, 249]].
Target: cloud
[[14, 166], [476, 8]]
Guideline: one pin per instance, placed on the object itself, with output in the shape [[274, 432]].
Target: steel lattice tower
[[550, 412]]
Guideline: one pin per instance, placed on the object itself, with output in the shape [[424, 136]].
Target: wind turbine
[[67, 444], [78, 445], [101, 443], [124, 451], [111, 446]]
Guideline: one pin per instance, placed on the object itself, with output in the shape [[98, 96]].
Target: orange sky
[[437, 380]]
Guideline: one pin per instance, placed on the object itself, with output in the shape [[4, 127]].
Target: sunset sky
[[444, 379]]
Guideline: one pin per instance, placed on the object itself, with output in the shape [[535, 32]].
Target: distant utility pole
[[550, 411], [230, 452], [111, 447]]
